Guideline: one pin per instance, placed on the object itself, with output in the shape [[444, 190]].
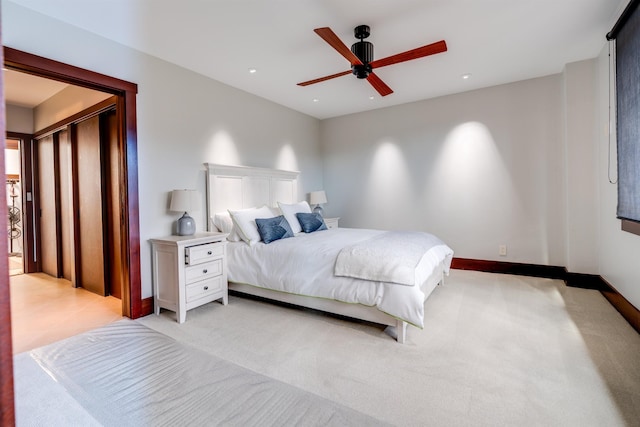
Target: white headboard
[[240, 187]]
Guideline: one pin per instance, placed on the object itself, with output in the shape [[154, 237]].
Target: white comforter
[[388, 257], [304, 265]]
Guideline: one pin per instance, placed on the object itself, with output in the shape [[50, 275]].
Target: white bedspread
[[388, 257], [304, 265]]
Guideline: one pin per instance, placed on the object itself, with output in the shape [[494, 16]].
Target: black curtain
[[626, 32]]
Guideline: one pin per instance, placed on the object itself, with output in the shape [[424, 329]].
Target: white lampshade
[[317, 197], [185, 200]]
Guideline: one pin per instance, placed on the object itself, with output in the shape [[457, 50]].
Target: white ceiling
[[496, 41], [27, 91]]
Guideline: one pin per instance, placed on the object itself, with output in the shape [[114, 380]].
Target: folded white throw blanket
[[390, 257]]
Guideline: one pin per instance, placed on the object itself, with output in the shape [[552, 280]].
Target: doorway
[[14, 206], [126, 158], [43, 301]]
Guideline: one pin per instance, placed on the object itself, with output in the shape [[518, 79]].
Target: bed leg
[[401, 330]]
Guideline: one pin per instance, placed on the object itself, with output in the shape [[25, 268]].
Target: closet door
[[66, 207], [48, 220], [90, 219], [114, 220]]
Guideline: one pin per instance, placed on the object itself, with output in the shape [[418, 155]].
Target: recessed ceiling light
[[466, 76], [252, 70], [371, 97], [316, 100]]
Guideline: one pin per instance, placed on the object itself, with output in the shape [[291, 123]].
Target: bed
[[330, 270]]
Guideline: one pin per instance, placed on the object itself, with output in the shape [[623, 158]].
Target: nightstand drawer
[[331, 222], [202, 253], [203, 271], [204, 289]]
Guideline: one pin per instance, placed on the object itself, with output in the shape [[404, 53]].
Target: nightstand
[[331, 222], [189, 271]]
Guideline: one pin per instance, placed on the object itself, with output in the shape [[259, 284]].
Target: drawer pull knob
[[206, 288], [209, 253], [205, 271]]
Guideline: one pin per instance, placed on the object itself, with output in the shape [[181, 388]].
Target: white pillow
[[224, 224], [290, 211], [245, 222]]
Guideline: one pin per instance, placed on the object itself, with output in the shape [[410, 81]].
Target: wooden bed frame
[[240, 187]]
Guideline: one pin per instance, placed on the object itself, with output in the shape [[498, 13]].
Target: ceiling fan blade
[[330, 37], [430, 49], [321, 79], [379, 85]]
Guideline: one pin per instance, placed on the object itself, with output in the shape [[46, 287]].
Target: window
[[626, 34]]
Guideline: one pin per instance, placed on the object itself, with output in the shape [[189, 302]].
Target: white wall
[[581, 167], [479, 169], [19, 119], [524, 164], [69, 101], [619, 251], [184, 120]]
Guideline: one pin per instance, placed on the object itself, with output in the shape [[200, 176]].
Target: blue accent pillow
[[272, 229], [311, 222]]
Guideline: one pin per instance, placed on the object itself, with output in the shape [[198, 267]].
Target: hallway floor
[[15, 265], [45, 309]]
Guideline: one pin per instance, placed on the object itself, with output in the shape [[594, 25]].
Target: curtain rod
[[624, 17]]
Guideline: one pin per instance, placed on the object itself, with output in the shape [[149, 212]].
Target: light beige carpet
[[496, 350]]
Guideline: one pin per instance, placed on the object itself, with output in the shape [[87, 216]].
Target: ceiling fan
[[361, 57]]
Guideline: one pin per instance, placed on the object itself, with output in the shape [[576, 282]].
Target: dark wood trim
[[76, 279], [126, 107], [106, 198], [20, 136], [35, 186], [56, 186], [624, 307], [147, 306], [575, 280], [630, 226], [7, 411], [80, 116], [43, 67], [548, 271], [586, 281], [132, 306], [12, 144]]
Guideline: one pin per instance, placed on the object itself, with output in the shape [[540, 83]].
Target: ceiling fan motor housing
[[364, 51]]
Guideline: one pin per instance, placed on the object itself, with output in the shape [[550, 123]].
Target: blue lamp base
[[186, 225], [318, 209]]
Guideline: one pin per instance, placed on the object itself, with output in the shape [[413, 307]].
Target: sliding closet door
[[89, 187], [48, 213], [112, 177], [66, 206]]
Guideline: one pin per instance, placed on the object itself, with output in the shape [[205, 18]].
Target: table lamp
[[317, 198], [184, 201]]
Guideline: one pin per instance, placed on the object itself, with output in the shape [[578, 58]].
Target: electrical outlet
[[502, 250]]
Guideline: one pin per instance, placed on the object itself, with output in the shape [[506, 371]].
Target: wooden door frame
[[7, 411], [132, 303]]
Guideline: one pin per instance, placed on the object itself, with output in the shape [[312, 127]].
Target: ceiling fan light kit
[[361, 57]]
